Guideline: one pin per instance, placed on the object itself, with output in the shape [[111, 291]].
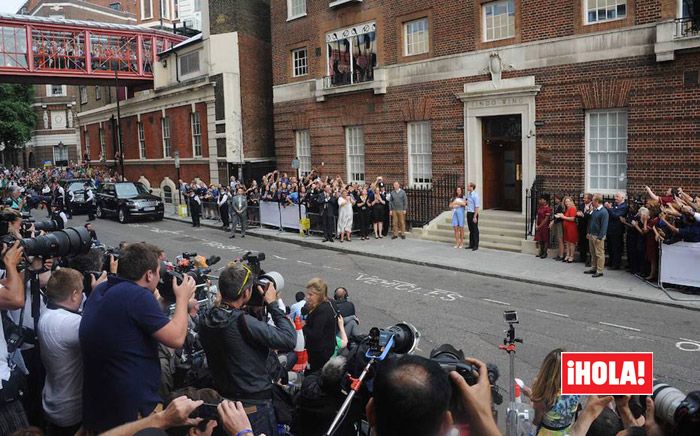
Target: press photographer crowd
[[122, 341]]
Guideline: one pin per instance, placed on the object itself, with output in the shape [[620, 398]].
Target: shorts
[[458, 218]]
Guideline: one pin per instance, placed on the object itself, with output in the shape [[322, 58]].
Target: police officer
[[90, 201]]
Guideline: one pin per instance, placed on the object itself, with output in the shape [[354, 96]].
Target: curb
[[309, 244]]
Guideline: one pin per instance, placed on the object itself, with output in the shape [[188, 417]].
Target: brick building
[[581, 94]]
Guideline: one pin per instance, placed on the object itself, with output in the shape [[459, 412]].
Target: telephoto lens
[[68, 242]]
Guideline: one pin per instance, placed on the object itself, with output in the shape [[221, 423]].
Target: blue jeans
[[263, 420]]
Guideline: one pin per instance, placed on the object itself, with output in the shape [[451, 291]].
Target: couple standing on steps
[[471, 204]]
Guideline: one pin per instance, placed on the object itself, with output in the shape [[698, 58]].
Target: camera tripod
[[512, 416]]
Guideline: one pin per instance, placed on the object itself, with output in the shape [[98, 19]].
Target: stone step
[[487, 229], [448, 236]]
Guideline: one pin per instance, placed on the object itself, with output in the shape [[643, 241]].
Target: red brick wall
[[155, 173], [663, 123]]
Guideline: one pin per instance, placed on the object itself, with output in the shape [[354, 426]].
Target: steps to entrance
[[499, 230]]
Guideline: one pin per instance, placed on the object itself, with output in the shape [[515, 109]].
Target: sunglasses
[[245, 281]]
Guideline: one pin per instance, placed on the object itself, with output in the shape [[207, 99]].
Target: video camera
[[194, 266], [262, 278]]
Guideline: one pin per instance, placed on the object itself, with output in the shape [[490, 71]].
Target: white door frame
[[493, 98]]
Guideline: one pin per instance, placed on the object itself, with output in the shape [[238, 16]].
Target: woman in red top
[[570, 229], [542, 229]]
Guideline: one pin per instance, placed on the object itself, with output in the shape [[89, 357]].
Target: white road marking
[[552, 313], [688, 346], [305, 263], [619, 326], [331, 267], [496, 301], [279, 257], [689, 340]]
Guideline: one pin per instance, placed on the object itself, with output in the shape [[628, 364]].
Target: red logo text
[[606, 373]]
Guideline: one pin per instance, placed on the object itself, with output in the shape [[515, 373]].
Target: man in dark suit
[[616, 230], [325, 203], [583, 216]]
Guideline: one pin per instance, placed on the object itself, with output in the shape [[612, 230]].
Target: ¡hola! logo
[[606, 373]]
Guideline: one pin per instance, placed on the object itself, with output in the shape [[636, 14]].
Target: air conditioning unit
[[337, 3]]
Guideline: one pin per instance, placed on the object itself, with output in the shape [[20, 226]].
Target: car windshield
[[129, 190], [77, 186]]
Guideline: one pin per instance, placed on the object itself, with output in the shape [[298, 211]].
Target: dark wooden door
[[502, 163]]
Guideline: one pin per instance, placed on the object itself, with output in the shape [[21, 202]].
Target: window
[[499, 20], [98, 93], [103, 156], [416, 37], [142, 142], [167, 194], [303, 151], [296, 9], [420, 154], [146, 9], [176, 10], [196, 134], [606, 140], [352, 58], [55, 90], [300, 61], [197, 5], [116, 6], [605, 10], [189, 63], [60, 155], [165, 124], [83, 95], [355, 144], [165, 8], [87, 145]]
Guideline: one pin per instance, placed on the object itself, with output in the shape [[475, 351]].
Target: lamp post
[[119, 126], [177, 167]]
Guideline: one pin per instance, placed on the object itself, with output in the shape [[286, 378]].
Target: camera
[[674, 408], [262, 278], [194, 266], [42, 225], [109, 252], [402, 338], [510, 317], [68, 242]]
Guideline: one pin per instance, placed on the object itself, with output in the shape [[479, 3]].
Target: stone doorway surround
[[498, 96]]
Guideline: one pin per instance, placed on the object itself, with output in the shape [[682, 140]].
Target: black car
[[77, 186], [128, 200]]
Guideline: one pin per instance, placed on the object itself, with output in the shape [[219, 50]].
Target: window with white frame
[[87, 145], [165, 8], [83, 95], [606, 143], [167, 146], [196, 134], [60, 155], [499, 20], [416, 37], [98, 93], [189, 63], [55, 90], [303, 140], [351, 55], [300, 62], [197, 5], [296, 9], [605, 10], [146, 9], [355, 148], [142, 141], [103, 156], [420, 154]]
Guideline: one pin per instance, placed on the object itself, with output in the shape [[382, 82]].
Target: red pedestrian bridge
[[75, 52]]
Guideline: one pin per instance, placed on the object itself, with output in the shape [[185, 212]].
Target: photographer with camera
[[346, 309], [237, 344], [119, 334]]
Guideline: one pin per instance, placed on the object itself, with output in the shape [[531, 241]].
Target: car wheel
[[159, 217], [99, 212], [122, 216]]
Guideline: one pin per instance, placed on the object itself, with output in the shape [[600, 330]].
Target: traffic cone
[[300, 348], [518, 398]]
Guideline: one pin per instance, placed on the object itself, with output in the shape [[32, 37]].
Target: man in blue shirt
[[120, 330], [473, 207], [597, 231]]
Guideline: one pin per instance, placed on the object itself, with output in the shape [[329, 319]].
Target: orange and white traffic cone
[[518, 397], [300, 348]]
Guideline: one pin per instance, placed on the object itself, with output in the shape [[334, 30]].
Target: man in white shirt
[[60, 352]]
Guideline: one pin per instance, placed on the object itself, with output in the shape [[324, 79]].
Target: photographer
[[12, 414], [346, 309], [237, 344], [119, 334]]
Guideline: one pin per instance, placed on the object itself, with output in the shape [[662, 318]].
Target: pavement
[[524, 268]]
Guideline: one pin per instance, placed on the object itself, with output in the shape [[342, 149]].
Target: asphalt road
[[461, 309]]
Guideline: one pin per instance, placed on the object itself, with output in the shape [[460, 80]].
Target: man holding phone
[[237, 344]]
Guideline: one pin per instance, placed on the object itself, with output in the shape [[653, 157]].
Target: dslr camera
[[261, 278]]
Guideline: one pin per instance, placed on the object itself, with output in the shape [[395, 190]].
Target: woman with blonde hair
[[554, 412], [321, 324], [570, 229]]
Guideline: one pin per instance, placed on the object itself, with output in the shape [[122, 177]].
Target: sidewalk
[[491, 263]]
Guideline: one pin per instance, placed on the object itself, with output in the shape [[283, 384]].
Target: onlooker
[[363, 207], [616, 230], [325, 202], [379, 210], [473, 208], [346, 309], [398, 203], [345, 203], [544, 212], [584, 214], [119, 334], [458, 206], [295, 309], [597, 231], [59, 342], [557, 228], [570, 231], [239, 215], [321, 325], [651, 246], [223, 207]]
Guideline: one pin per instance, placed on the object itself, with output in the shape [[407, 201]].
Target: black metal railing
[[686, 27], [426, 203]]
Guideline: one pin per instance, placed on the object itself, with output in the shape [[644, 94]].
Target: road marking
[[496, 301], [552, 313], [305, 263], [686, 345], [331, 267], [278, 257], [619, 326], [689, 340]]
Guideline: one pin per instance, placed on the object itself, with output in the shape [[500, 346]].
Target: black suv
[[128, 200]]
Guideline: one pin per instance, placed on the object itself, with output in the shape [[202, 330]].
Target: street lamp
[[177, 167]]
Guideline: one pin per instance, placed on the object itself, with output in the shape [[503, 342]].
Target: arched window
[[167, 194]]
